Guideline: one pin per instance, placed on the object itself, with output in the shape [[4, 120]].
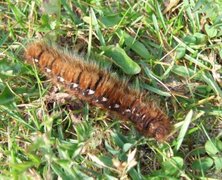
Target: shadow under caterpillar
[[98, 87]]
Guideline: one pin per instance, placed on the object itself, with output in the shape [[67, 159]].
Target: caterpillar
[[98, 87]]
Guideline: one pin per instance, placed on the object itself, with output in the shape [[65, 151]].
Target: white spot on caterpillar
[[133, 110], [127, 110], [116, 106], [137, 114], [74, 85], [143, 117], [48, 70], [109, 107], [60, 79], [104, 99], [96, 100], [36, 60], [90, 92]]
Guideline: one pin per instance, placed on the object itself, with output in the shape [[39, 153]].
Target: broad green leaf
[[189, 40], [200, 38], [202, 164], [210, 30], [218, 163], [213, 146], [134, 44], [127, 146], [110, 20], [6, 96], [183, 71], [117, 139], [52, 7], [173, 165], [180, 52], [8, 69], [107, 160], [219, 144], [121, 59], [110, 149]]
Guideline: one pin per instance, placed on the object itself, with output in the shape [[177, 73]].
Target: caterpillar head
[[160, 130], [33, 52]]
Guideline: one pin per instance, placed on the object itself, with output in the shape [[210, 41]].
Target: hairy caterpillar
[[96, 86]]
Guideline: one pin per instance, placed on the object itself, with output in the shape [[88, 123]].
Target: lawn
[[171, 51]]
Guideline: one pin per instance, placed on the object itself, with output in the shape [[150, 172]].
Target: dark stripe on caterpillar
[[98, 87]]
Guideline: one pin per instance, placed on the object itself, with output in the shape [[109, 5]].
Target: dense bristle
[[98, 87]]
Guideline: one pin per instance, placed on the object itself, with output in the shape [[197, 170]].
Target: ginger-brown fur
[[98, 87]]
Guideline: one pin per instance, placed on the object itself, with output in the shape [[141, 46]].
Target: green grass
[[175, 56]]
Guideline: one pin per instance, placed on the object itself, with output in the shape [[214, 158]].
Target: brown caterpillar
[[96, 86]]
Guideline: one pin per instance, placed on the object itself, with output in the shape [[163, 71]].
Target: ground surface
[[45, 133]]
